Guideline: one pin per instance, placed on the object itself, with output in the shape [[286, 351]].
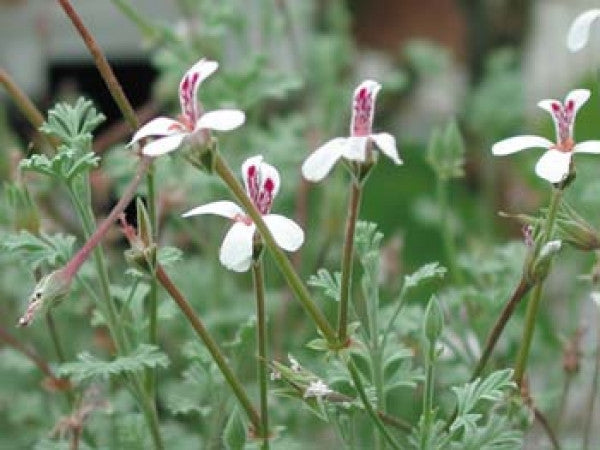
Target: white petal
[[222, 208], [164, 145], [580, 29], [587, 147], [553, 165], [579, 97], [221, 120], [236, 249], [387, 144], [547, 103], [518, 143], [356, 148], [287, 233], [204, 68], [161, 126], [319, 163], [269, 172]]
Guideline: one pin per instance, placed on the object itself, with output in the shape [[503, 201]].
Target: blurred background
[[292, 66]]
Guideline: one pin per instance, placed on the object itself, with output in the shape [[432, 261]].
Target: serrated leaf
[[53, 250], [167, 256], [69, 122], [328, 283], [425, 273], [234, 434], [89, 367]]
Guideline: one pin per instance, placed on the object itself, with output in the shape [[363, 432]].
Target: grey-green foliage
[[446, 151], [328, 283], [90, 367], [234, 435], [427, 272], [37, 251], [73, 125]]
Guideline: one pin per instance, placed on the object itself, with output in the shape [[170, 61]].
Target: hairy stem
[[587, 430], [211, 345], [428, 398], [532, 306], [261, 339], [284, 264], [26, 106], [355, 375], [446, 229], [347, 259]]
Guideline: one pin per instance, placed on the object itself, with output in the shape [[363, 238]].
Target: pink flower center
[[259, 190], [362, 117], [563, 116]]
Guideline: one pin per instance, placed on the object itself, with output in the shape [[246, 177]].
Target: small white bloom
[[595, 295], [294, 364], [554, 165], [579, 32], [171, 132], [354, 147], [317, 389], [262, 184], [550, 248]]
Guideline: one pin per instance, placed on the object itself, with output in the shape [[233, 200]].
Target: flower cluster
[[261, 180]]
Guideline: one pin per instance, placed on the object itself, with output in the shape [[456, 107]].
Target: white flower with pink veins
[[262, 184], [171, 133], [354, 148], [554, 165]]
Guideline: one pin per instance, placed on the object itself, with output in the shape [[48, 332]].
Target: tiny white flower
[[579, 32], [555, 163], [595, 295], [171, 133], [550, 248], [262, 184], [294, 364], [354, 147], [317, 389]]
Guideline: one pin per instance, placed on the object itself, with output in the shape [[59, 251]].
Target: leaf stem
[[347, 259], [428, 397], [211, 345], [587, 430], [261, 338], [355, 375], [446, 229], [284, 264], [532, 306]]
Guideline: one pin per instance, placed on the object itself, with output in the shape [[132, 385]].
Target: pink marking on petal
[[362, 114], [556, 107], [242, 218], [269, 185]]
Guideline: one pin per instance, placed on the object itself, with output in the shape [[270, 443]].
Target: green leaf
[[34, 251], [492, 389], [65, 166], [328, 283], [425, 273], [89, 367], [167, 256], [234, 434], [70, 123], [446, 152]]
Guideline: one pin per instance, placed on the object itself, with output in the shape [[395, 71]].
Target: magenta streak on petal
[[261, 196], [563, 118], [187, 95], [362, 117], [265, 197]]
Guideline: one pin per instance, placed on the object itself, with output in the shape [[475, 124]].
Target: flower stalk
[[347, 260], [211, 345], [261, 339], [532, 306]]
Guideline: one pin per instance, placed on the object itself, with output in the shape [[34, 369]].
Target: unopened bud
[[434, 320], [538, 266], [575, 230], [143, 252], [50, 290]]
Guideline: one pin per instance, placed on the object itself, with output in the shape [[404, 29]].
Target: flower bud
[[50, 290], [575, 230], [434, 320], [540, 265], [143, 252]]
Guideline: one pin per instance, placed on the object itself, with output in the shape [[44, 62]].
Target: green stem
[[153, 294], [377, 374], [113, 85], [446, 229], [60, 354], [532, 307], [261, 338], [211, 345], [428, 398], [284, 264], [388, 329], [347, 259], [594, 391], [375, 417]]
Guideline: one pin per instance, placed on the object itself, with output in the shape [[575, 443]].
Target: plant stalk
[[211, 345], [428, 398], [347, 259], [532, 306], [261, 339], [446, 229], [587, 430]]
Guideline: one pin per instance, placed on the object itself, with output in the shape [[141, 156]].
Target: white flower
[[171, 132], [262, 184], [580, 29], [555, 163], [317, 389], [550, 248], [354, 147], [294, 364]]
